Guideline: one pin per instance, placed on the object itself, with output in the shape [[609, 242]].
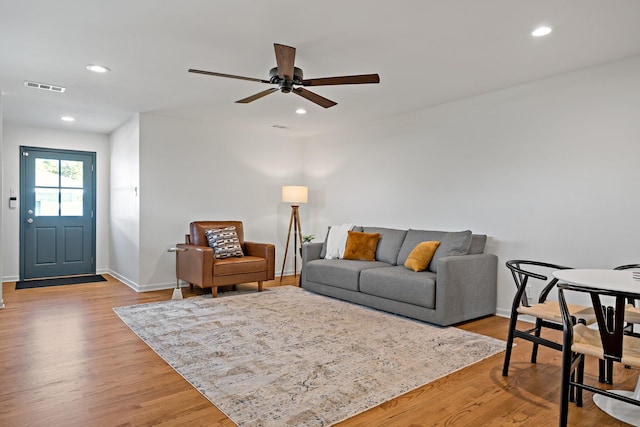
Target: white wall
[[194, 171], [16, 135], [124, 216], [549, 170]]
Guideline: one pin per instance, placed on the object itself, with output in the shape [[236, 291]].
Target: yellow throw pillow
[[361, 246], [420, 256]]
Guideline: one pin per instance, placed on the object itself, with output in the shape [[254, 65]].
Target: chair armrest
[[466, 287], [195, 265], [263, 250]]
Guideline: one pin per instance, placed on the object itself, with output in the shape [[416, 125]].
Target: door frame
[[23, 198]]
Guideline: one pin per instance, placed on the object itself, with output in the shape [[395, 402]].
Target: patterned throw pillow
[[224, 242]]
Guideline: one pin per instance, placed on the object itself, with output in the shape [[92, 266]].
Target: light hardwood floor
[[66, 359]]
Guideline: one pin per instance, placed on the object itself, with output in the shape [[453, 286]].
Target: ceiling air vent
[[44, 86]]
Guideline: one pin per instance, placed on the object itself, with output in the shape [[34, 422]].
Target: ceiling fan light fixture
[[541, 31], [98, 68], [290, 78]]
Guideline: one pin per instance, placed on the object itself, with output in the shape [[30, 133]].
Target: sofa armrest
[[195, 265], [466, 287], [263, 250], [310, 251]]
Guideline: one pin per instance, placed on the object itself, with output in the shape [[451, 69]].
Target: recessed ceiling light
[[67, 119], [98, 68], [301, 111], [541, 31]]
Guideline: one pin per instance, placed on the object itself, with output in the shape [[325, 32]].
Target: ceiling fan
[[289, 78]]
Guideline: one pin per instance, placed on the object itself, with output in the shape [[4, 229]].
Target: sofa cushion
[[224, 242], [389, 243], [478, 242], [420, 256], [451, 243], [323, 251], [341, 273], [399, 284], [361, 246]]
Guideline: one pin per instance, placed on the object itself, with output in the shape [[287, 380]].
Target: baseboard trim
[[507, 313], [157, 287], [503, 313], [147, 287]]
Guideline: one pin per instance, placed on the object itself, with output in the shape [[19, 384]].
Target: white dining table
[[609, 280]]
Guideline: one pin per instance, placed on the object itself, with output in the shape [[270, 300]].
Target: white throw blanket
[[337, 240]]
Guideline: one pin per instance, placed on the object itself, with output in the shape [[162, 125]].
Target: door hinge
[[91, 214], [91, 260], [92, 168]]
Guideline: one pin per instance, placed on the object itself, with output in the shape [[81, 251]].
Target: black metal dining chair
[[545, 312], [608, 342], [632, 317], [632, 311]]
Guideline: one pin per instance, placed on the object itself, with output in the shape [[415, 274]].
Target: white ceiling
[[427, 52]]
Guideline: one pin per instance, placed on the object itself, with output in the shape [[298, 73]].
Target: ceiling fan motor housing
[[285, 85]]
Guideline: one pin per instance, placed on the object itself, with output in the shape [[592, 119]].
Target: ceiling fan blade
[[285, 58], [256, 96], [231, 76], [343, 80], [314, 97]]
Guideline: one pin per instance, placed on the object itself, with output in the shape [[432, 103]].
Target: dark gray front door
[[57, 213]]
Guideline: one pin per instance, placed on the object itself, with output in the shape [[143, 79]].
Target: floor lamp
[[295, 195]]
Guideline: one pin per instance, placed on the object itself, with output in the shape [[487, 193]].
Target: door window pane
[[47, 202], [71, 173], [71, 204], [59, 187], [47, 172]]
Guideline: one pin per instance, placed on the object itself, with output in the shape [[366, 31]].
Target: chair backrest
[[611, 332], [197, 229], [628, 267], [521, 278]]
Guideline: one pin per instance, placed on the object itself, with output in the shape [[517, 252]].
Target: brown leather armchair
[[197, 265]]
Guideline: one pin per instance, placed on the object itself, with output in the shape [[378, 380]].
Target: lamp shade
[[294, 194]]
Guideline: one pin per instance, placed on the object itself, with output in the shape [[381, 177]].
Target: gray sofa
[[459, 284]]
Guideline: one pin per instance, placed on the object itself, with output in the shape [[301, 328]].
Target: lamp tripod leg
[[286, 248], [297, 234]]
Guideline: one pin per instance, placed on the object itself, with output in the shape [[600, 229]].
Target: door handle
[[30, 220]]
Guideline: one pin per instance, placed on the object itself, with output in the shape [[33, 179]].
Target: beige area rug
[[288, 357]]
